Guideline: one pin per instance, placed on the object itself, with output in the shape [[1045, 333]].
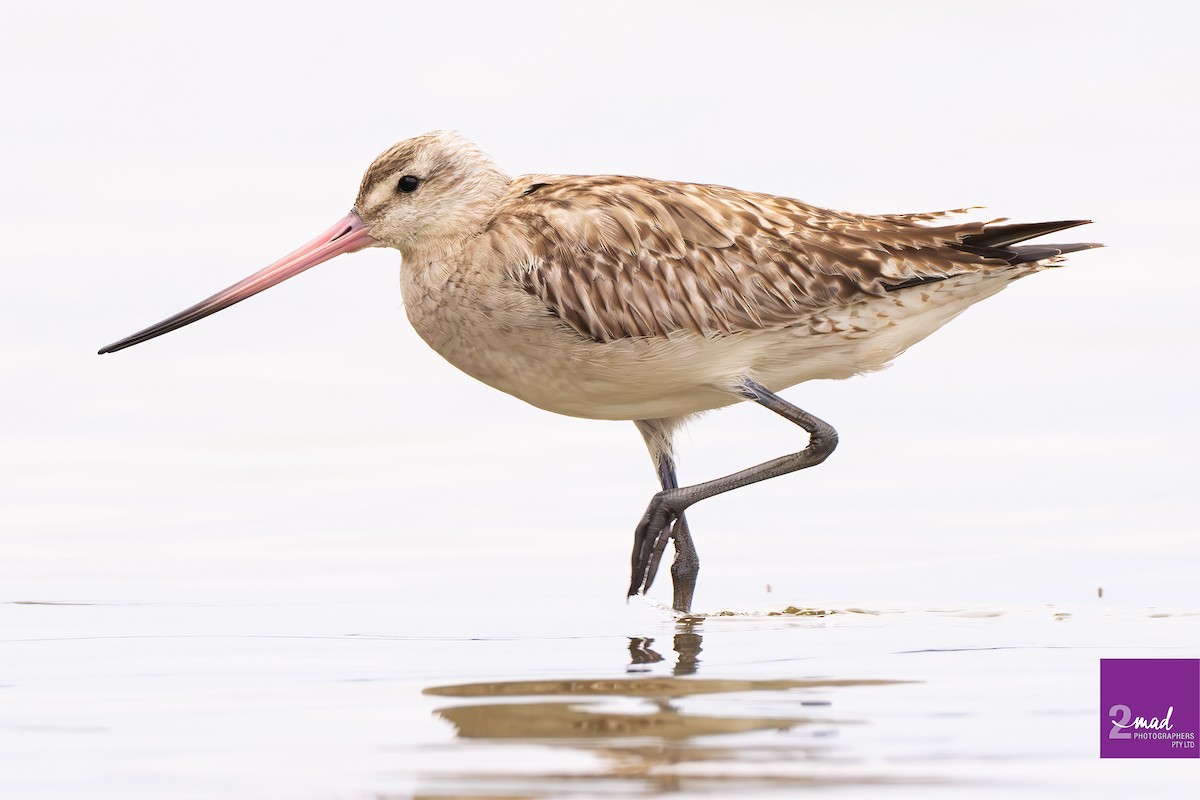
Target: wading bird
[[611, 297]]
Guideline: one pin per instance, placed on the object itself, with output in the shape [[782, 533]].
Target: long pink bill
[[348, 235]]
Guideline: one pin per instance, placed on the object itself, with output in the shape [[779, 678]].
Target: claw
[[642, 548], [649, 541], [660, 545]]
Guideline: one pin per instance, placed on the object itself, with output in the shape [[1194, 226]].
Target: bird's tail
[[996, 241]]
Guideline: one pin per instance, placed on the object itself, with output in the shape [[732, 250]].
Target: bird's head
[[421, 197], [427, 194]]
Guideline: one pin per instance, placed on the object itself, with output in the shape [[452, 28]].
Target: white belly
[[516, 347]]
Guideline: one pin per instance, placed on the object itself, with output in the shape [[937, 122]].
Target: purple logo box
[[1149, 708]]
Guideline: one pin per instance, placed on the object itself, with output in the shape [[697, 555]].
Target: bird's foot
[[650, 540]]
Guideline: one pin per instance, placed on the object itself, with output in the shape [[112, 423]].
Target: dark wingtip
[[997, 241], [1001, 236], [1039, 252]]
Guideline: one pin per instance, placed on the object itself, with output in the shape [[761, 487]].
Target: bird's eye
[[408, 183]]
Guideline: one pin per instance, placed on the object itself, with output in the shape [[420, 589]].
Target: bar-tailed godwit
[[611, 297]]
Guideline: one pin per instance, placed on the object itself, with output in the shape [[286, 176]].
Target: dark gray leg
[[686, 566], [658, 435], [666, 508]]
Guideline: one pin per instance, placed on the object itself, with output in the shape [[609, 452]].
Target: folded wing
[[616, 257]]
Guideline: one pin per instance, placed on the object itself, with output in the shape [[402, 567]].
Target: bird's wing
[[616, 257]]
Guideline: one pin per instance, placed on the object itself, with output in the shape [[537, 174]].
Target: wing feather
[[616, 257]]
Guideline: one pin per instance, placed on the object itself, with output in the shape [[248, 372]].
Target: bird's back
[[616, 257]]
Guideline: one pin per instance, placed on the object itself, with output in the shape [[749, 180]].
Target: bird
[[624, 298]]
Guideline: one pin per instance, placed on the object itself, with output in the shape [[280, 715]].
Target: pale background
[[306, 447]]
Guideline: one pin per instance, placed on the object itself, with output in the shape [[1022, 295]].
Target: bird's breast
[[496, 332]]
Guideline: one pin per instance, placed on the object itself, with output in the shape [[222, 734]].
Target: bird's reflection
[[641, 654], [646, 725], [686, 646]]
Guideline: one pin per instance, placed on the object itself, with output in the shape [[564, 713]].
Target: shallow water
[[299, 694]]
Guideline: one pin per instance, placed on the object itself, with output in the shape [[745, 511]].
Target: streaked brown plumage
[[617, 257], [628, 298]]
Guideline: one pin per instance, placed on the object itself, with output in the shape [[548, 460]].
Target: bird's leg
[[667, 506], [658, 436], [686, 566]]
